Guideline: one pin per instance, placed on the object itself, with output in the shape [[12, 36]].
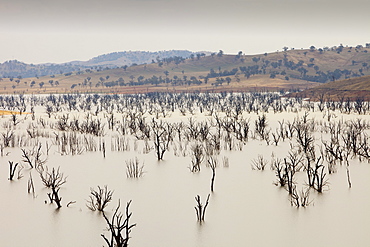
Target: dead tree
[[111, 121], [15, 120], [312, 171], [279, 168], [320, 180], [30, 186], [333, 153], [119, 227], [304, 136], [295, 161], [212, 162], [162, 138], [197, 157], [99, 198], [54, 197], [53, 180], [289, 175], [33, 157], [39, 161], [12, 169], [301, 199], [213, 144], [260, 126], [200, 209], [26, 157], [8, 137], [259, 163], [364, 150], [348, 175], [133, 169], [276, 137]]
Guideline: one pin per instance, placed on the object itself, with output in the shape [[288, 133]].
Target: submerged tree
[[162, 134], [212, 162], [12, 169], [53, 180], [197, 157], [200, 209], [119, 227], [133, 169], [99, 198]]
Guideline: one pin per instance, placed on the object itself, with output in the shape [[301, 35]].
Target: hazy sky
[[38, 31]]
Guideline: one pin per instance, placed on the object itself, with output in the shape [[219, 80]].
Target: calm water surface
[[246, 209]]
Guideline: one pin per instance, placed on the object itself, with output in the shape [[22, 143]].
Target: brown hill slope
[[352, 89], [290, 69]]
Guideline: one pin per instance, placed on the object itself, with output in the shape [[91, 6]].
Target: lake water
[[245, 209]]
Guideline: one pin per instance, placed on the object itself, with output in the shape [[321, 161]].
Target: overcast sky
[[39, 31]]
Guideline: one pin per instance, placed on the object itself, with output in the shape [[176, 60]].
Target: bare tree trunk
[[348, 175], [200, 209], [12, 169], [212, 164]]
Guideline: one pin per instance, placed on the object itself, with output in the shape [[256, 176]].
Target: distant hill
[[118, 59], [14, 68], [352, 89], [282, 70], [17, 69]]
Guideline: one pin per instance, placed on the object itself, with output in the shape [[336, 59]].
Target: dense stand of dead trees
[[127, 119]]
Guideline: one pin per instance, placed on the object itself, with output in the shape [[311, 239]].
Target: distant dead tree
[[99, 198], [200, 209], [119, 227]]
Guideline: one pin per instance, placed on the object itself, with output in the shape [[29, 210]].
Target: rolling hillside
[[285, 70], [354, 88], [17, 69]]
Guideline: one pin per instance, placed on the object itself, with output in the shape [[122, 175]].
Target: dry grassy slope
[[329, 60], [349, 88]]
